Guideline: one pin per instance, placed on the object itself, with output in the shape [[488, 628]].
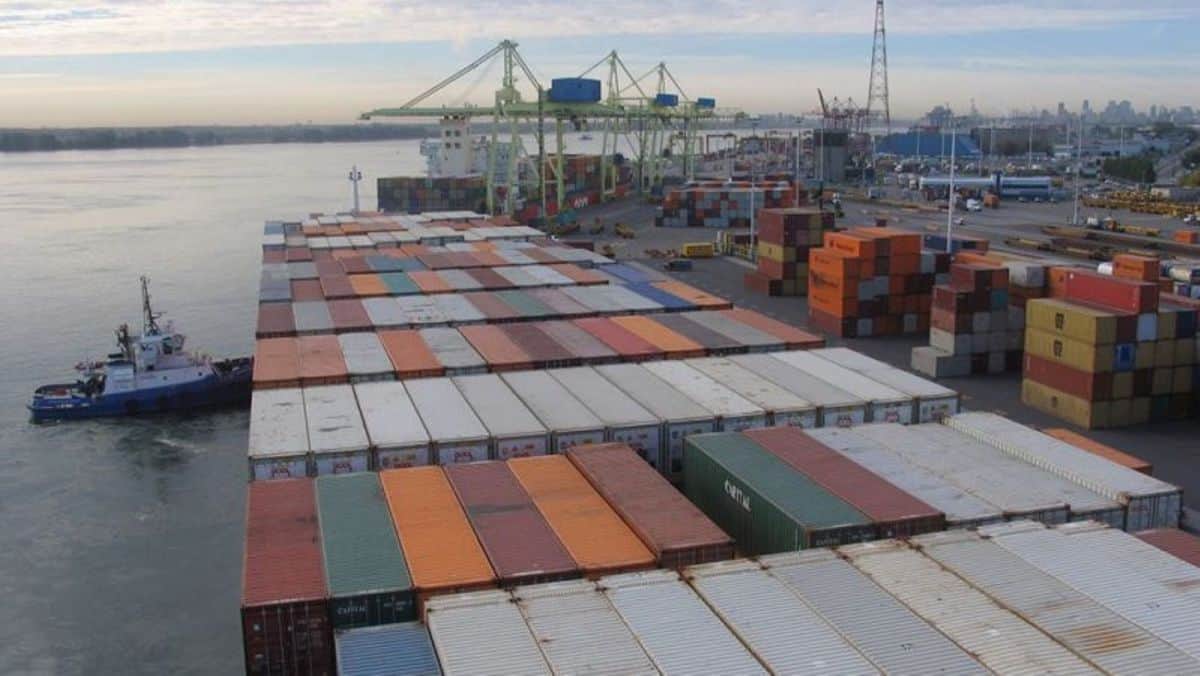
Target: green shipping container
[[399, 284], [368, 580], [766, 506], [527, 305]]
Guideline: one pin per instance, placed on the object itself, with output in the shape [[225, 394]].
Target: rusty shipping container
[[285, 618], [497, 348], [520, 545], [592, 533], [1181, 545], [675, 530], [895, 512]]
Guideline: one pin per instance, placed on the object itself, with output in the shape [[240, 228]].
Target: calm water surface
[[121, 541]]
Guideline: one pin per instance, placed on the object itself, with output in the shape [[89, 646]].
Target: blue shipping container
[[669, 301], [627, 273], [668, 100], [403, 648], [706, 102], [574, 90]]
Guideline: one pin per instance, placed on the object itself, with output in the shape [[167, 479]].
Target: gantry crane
[[628, 110]]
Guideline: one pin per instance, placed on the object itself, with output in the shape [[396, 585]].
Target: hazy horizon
[[205, 62]]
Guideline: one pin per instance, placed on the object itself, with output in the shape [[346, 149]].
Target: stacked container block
[[784, 239], [969, 331], [719, 204]]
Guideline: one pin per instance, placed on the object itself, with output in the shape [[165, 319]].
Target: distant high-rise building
[[1062, 110], [1086, 109]]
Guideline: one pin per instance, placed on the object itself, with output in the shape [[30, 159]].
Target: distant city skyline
[[139, 62]]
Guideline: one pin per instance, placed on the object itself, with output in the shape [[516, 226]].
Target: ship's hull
[[216, 389]]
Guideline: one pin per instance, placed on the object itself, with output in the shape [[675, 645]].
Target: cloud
[[116, 26]]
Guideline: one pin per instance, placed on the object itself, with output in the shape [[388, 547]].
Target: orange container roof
[[594, 535], [672, 343], [696, 296], [321, 357], [439, 544], [276, 360], [496, 347], [368, 284], [410, 354], [429, 281], [1097, 448]]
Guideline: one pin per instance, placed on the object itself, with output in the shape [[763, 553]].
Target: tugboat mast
[[149, 316]]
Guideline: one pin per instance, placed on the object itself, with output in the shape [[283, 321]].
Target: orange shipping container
[[832, 285], [701, 299], [972, 257], [1141, 268], [410, 355], [898, 242], [850, 244], [499, 351], [593, 534], [321, 361], [832, 302], [834, 262], [580, 276], [369, 284], [440, 547], [276, 363], [1056, 281], [674, 345], [429, 281], [793, 338], [1102, 450]]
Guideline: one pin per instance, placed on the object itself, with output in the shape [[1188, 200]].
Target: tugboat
[[150, 373]]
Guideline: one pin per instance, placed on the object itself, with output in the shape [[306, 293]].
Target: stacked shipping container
[[784, 239], [969, 329], [721, 204]]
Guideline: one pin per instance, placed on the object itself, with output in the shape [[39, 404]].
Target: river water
[[121, 541]]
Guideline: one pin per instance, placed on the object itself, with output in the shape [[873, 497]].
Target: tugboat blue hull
[[214, 390]]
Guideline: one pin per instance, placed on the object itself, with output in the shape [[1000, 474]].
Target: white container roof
[[388, 413], [853, 382], [334, 423], [552, 403], [603, 398], [710, 394], [803, 384], [658, 396], [364, 354], [750, 385], [445, 412], [277, 423], [500, 410], [482, 633]]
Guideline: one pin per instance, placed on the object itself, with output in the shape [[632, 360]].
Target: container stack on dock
[[872, 282], [784, 239], [1104, 352], [969, 331], [415, 194], [720, 204]]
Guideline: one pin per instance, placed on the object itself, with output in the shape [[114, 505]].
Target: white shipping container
[[997, 637], [962, 509], [458, 310], [1166, 612], [836, 406], [365, 357], [457, 434], [278, 447], [625, 419], [398, 437], [339, 242], [312, 317], [784, 633], [1019, 489], [335, 430], [1151, 562], [361, 242], [517, 276], [594, 299], [873, 621], [674, 626], [1091, 630], [515, 431], [453, 351], [569, 421], [548, 276], [934, 401], [422, 310], [754, 339], [302, 270], [1149, 503], [680, 415], [579, 631], [460, 280], [785, 408], [384, 312], [513, 256], [482, 633], [733, 411], [886, 403]]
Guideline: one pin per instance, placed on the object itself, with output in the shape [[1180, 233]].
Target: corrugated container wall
[[403, 648], [483, 633]]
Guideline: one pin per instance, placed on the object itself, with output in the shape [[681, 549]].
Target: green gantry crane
[[657, 132]]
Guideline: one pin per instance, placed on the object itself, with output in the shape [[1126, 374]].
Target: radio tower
[[877, 94]]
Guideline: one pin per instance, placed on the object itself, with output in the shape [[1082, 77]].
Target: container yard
[[557, 452]]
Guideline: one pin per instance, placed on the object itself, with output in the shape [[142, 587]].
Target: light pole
[[1078, 162], [355, 177], [950, 206]]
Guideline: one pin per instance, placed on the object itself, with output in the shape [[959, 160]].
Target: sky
[[160, 62]]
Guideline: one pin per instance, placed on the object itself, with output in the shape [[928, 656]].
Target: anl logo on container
[[738, 495]]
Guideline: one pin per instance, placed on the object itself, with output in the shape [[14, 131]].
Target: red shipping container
[[285, 619], [355, 265], [793, 338], [274, 256], [1141, 268], [894, 512], [1123, 294], [543, 351], [673, 529], [518, 542], [275, 320], [1181, 545], [582, 346], [348, 314], [296, 254], [307, 289], [625, 343], [337, 286], [1077, 383], [492, 307]]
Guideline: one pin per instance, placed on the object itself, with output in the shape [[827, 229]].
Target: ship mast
[[149, 316]]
